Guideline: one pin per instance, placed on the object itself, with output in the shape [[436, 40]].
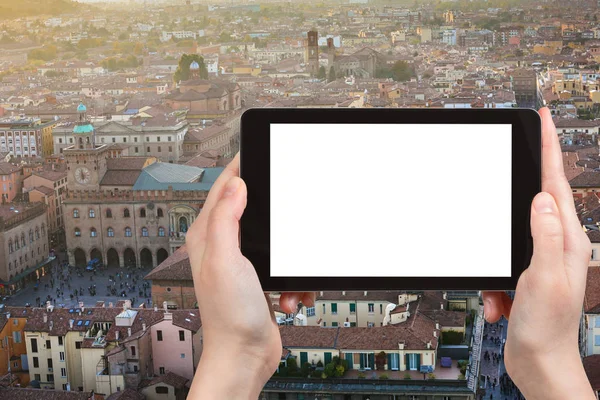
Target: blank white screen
[[410, 200]]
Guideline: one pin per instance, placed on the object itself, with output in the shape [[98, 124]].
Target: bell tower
[[86, 162], [312, 52]]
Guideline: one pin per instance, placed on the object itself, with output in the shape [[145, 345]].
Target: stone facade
[[128, 227], [24, 245]]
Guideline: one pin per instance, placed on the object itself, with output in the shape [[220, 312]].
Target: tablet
[[383, 199]]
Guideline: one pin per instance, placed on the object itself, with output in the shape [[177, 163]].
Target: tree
[[322, 73], [183, 70], [380, 360], [124, 36], [401, 71], [138, 50], [331, 76]]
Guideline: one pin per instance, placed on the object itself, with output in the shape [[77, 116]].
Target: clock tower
[[86, 162]]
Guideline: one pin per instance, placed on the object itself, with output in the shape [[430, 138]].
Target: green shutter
[[418, 362], [327, 357], [303, 358], [406, 361], [352, 307], [362, 361], [389, 361], [372, 360], [350, 360], [334, 308]]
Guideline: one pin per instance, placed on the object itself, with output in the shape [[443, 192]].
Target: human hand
[[242, 345], [541, 353]]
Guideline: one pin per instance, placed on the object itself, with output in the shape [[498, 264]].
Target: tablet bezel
[[255, 171]]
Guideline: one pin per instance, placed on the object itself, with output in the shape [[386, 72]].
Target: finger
[[308, 299], [223, 228], [507, 305], [547, 233], [196, 237], [493, 306], [289, 301], [271, 310], [555, 183]]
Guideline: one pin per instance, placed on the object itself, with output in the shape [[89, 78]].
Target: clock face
[[82, 175]]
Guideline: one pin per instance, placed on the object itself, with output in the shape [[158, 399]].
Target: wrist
[[555, 376], [228, 374]]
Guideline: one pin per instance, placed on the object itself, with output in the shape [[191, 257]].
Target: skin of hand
[[241, 341], [541, 352]]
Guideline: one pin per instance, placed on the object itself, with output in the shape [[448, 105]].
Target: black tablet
[[379, 199]]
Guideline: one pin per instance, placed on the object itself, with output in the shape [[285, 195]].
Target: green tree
[[401, 71], [331, 76], [322, 73], [224, 37], [183, 70]]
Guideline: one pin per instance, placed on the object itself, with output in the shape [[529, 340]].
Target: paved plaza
[[105, 284]]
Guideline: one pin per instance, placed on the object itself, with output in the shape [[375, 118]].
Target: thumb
[[547, 232], [223, 223]]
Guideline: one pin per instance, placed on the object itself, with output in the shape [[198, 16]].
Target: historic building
[[127, 211], [311, 57], [24, 252], [26, 136]]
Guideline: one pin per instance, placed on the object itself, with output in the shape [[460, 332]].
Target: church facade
[[127, 211]]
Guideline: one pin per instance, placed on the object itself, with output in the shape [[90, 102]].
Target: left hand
[[239, 328]]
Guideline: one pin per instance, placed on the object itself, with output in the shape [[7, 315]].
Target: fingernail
[[231, 187], [544, 204]]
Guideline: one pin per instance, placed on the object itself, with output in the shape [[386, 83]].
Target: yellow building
[[47, 142], [246, 70]]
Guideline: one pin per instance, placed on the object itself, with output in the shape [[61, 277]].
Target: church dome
[[81, 108], [194, 65]]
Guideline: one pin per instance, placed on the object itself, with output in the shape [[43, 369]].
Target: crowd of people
[[127, 283]]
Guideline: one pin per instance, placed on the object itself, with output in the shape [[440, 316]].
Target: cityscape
[[117, 116]]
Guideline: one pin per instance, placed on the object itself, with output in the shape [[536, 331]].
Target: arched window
[[159, 212], [37, 232], [108, 213], [10, 266], [75, 213], [77, 232], [23, 243], [126, 213], [43, 229], [110, 232], [142, 212], [127, 232], [92, 213], [93, 232], [145, 232], [31, 236], [161, 231], [17, 246], [10, 246]]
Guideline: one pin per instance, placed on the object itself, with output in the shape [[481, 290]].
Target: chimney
[[128, 332], [51, 325], [437, 326], [428, 345], [45, 318], [71, 322], [442, 306], [155, 308], [343, 293], [117, 335], [144, 326], [365, 293], [321, 293], [110, 305], [434, 333], [445, 295]]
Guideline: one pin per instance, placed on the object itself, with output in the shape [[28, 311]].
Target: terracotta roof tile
[[176, 267], [13, 393], [170, 378], [591, 365], [127, 394], [308, 336], [592, 291], [586, 179]]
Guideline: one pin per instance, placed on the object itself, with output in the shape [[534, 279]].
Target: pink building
[[514, 41], [177, 343]]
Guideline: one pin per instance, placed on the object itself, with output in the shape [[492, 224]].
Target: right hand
[[541, 352]]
